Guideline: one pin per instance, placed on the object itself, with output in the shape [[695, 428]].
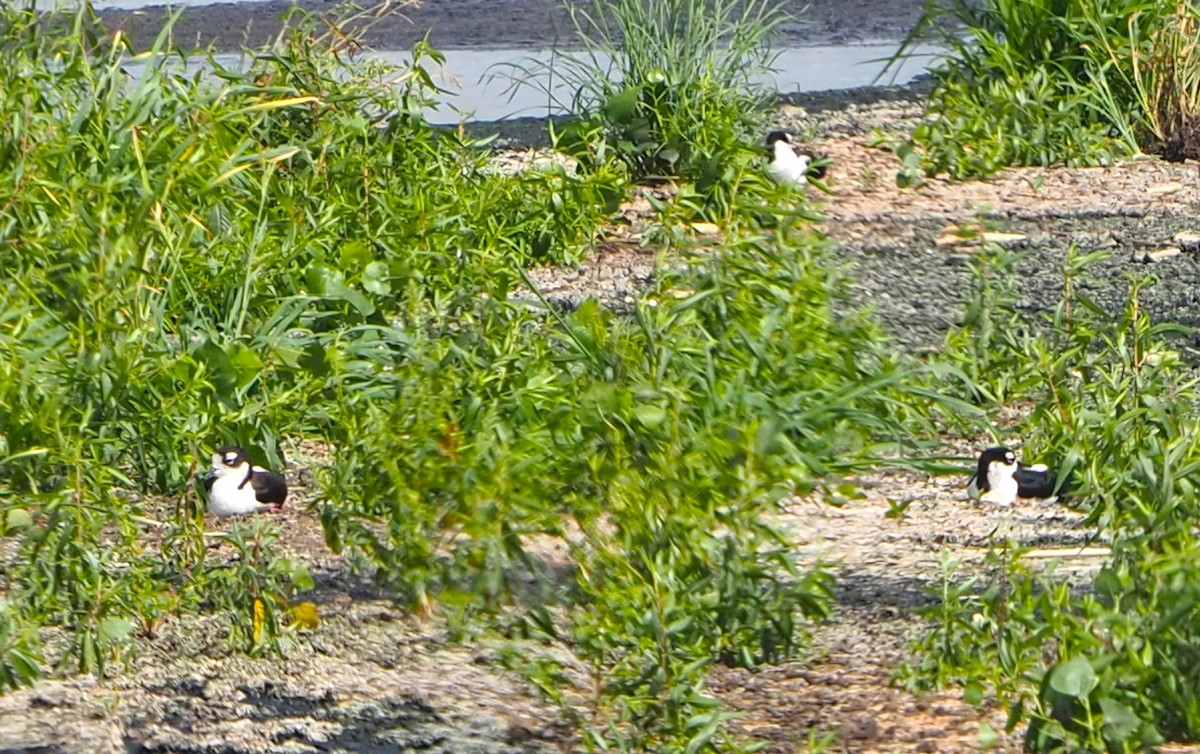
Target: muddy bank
[[455, 24]]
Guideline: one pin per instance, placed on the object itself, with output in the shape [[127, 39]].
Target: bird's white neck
[[1002, 484]]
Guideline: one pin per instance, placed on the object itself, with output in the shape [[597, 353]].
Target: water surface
[[478, 91]]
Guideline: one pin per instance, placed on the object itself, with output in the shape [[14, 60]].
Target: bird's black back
[[269, 487], [1040, 483]]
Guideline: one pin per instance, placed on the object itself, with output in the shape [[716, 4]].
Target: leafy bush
[[1049, 82], [655, 449], [175, 247]]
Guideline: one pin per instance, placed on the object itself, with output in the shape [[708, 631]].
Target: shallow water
[[477, 85]]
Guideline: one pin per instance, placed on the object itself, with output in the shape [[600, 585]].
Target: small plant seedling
[[898, 509]]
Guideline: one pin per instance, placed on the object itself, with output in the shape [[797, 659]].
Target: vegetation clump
[[1100, 664], [669, 88], [1046, 82]]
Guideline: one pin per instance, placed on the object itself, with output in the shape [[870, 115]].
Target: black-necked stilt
[[787, 166], [236, 486], [1001, 479]]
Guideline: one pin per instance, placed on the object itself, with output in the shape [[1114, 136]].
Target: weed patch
[[1045, 83], [669, 88], [288, 250]]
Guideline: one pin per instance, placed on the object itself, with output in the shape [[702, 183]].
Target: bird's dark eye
[[230, 459]]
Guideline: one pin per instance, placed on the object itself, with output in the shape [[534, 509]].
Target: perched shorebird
[[236, 486], [1001, 479], [787, 166]]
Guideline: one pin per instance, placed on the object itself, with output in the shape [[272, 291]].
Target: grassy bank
[[1048, 83]]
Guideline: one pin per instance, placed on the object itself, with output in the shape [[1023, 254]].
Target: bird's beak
[[207, 476]]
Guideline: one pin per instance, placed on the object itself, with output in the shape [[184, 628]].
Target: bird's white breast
[[1002, 483], [787, 166], [229, 497]]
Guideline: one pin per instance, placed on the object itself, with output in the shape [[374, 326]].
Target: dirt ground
[[372, 678], [497, 24]]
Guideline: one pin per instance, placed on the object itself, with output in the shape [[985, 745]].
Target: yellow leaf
[[260, 616], [305, 615], [228, 174], [278, 103]]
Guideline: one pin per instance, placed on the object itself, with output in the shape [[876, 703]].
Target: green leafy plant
[[20, 657], [1099, 666], [256, 586], [1044, 82], [181, 255]]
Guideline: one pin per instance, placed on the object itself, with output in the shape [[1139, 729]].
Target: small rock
[[1156, 255], [1188, 241], [1164, 188], [1004, 239], [861, 727], [956, 237], [50, 696]]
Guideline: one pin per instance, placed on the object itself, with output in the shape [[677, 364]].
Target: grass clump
[[1048, 82], [669, 87]]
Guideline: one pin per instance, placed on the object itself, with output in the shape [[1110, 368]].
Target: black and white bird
[[236, 486], [787, 166], [1000, 479]]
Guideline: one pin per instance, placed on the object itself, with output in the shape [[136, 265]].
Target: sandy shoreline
[[459, 24]]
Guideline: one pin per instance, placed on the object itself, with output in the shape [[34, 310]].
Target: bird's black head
[[775, 136], [998, 454], [229, 456]]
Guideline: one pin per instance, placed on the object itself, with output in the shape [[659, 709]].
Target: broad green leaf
[[1074, 678], [622, 106], [377, 278], [112, 630], [1119, 721], [650, 416], [15, 519]]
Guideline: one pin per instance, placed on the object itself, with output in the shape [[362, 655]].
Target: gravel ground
[[909, 267], [373, 678]]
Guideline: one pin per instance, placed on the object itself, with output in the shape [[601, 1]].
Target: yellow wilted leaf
[[305, 615], [278, 103], [260, 616]]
